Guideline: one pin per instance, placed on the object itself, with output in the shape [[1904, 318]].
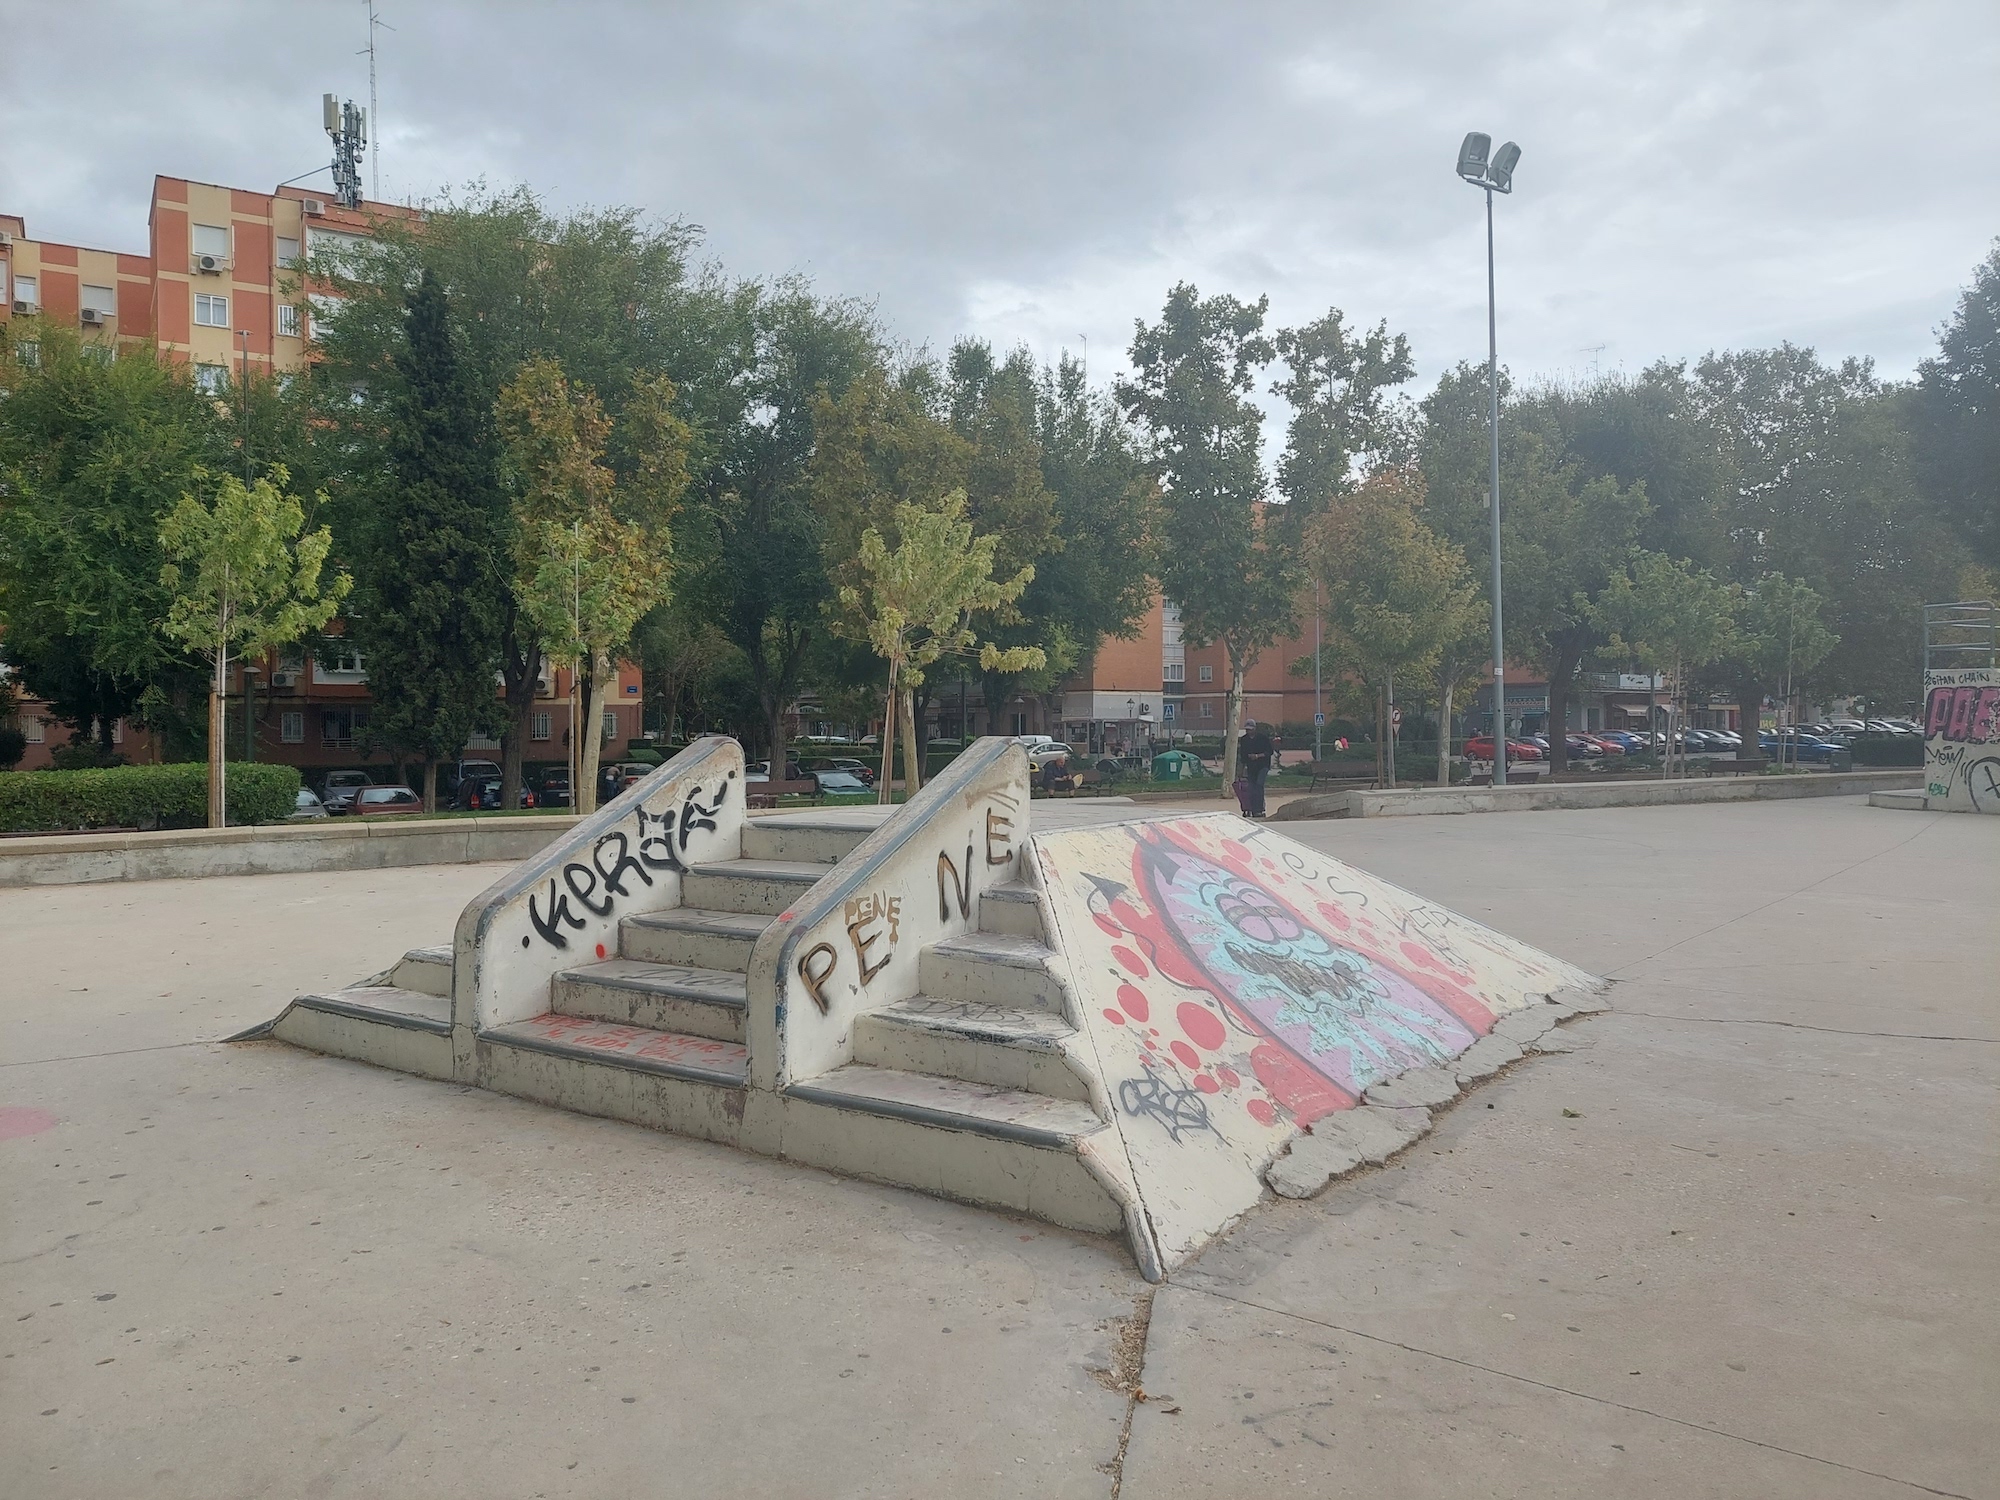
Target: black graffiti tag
[[615, 857], [1179, 1108]]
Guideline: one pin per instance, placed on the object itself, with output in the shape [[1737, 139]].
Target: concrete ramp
[[1235, 988]]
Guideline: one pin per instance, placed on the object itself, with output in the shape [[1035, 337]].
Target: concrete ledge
[[1907, 800], [340, 844], [1422, 801]]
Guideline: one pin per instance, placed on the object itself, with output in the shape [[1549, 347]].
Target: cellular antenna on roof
[[349, 128], [374, 105]]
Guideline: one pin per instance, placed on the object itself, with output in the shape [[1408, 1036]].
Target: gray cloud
[[1695, 176]]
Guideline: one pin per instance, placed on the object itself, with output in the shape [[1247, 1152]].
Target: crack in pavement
[[36, 1062], [1898, 1036], [1561, 1390], [1767, 905]]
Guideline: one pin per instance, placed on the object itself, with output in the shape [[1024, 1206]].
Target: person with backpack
[[1256, 752]]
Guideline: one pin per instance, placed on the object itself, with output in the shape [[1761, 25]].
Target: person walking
[[1257, 750]]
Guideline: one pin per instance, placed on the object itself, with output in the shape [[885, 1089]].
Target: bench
[[1338, 774], [767, 793]]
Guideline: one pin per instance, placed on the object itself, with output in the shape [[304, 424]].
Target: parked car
[[1480, 747], [482, 793], [384, 802], [307, 806], [452, 777], [338, 790], [1605, 744], [1800, 747], [1047, 750], [554, 790], [840, 784], [859, 769]]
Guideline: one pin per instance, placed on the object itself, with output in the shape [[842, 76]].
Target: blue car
[[1802, 747]]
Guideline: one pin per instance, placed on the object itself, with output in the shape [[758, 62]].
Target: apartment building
[[219, 287]]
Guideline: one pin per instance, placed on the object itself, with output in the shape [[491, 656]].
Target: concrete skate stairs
[[957, 1074]]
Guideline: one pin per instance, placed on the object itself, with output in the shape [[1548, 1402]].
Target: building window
[[29, 354], [1207, 709], [97, 354], [1205, 674], [117, 731], [610, 725], [1177, 671], [288, 320], [292, 727], [26, 291], [214, 379], [35, 729], [337, 251], [540, 727], [211, 311], [344, 665], [102, 300], [288, 251], [210, 239], [337, 726]]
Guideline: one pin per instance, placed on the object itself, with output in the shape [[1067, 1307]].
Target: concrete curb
[[1428, 801], [194, 853]]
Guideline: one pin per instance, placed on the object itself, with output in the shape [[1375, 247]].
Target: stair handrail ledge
[[564, 906], [851, 943]]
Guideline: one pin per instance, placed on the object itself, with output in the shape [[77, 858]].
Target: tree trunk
[[775, 694], [218, 816], [1444, 732], [1389, 725], [913, 768], [885, 787], [520, 674], [1232, 724], [430, 785], [590, 751], [1562, 668]]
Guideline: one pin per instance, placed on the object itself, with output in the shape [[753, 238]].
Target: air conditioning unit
[[316, 207], [211, 264], [6, 240], [92, 317], [284, 679], [24, 309]]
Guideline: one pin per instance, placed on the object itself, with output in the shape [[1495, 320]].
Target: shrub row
[[141, 797], [1888, 750]]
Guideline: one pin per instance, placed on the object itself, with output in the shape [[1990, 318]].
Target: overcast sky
[[1694, 176]]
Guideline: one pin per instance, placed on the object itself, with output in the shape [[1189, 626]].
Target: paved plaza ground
[[1740, 1242]]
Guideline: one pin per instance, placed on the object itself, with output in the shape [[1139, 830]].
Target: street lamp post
[[1493, 176]]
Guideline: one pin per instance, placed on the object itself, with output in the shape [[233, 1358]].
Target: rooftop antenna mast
[[374, 105], [349, 128]]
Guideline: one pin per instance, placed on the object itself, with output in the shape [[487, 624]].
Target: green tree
[[1337, 386], [241, 575], [593, 552], [1956, 416], [1565, 534], [92, 457], [1220, 557], [1393, 591], [916, 605], [431, 553], [751, 542], [1782, 637], [611, 297], [1667, 616]]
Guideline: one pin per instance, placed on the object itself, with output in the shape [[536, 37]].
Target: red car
[[1609, 747], [1480, 747]]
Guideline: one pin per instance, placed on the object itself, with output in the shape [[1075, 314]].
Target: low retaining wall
[[1419, 802], [338, 844]]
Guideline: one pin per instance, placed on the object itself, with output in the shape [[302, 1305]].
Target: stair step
[[764, 887], [993, 968], [426, 969], [808, 837], [640, 1049], [388, 1026], [692, 936], [1002, 1046], [663, 997], [953, 1104], [1011, 910]]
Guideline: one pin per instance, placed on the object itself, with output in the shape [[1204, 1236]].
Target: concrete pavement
[[251, 1271]]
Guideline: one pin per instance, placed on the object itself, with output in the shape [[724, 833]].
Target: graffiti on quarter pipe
[[1962, 740]]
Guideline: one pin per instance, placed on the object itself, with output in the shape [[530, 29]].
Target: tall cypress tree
[[431, 569]]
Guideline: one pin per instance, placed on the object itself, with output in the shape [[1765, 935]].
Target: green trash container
[[1176, 765]]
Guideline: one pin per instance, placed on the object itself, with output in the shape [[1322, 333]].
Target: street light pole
[[1493, 481], [1493, 176]]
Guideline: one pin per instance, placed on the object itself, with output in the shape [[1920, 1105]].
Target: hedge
[[1888, 750], [142, 797]]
